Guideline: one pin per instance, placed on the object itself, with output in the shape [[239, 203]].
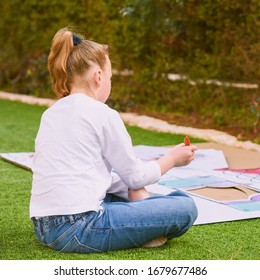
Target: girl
[[78, 203]]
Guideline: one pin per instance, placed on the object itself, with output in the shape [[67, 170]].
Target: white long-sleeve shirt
[[79, 142]]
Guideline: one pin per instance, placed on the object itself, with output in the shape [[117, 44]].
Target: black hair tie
[[76, 40]]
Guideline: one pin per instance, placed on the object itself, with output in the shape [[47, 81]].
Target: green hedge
[[201, 39]]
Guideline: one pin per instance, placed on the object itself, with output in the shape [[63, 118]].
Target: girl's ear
[[97, 77]]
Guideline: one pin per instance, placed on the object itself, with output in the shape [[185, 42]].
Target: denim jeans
[[120, 225]]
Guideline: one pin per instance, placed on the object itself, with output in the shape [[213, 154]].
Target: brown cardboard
[[222, 194], [236, 158]]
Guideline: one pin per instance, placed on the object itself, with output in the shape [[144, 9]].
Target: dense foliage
[[204, 41]]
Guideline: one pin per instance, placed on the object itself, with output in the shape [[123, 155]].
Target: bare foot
[[156, 242]]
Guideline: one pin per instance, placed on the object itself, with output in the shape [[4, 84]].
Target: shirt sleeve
[[119, 153]]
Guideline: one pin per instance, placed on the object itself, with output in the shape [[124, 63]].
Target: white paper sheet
[[21, 159]]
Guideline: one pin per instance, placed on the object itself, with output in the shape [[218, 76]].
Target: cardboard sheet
[[227, 194], [240, 197]]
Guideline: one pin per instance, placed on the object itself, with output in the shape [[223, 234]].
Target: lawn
[[18, 126]]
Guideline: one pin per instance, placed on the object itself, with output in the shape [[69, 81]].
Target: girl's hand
[[181, 154], [178, 156], [138, 194]]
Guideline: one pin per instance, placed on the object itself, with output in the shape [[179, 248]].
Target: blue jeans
[[120, 225]]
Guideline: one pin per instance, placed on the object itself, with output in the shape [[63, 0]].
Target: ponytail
[[62, 46], [69, 56]]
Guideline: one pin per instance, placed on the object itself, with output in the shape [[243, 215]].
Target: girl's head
[[74, 62]]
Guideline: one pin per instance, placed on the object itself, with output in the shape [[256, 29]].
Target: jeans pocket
[[74, 246]]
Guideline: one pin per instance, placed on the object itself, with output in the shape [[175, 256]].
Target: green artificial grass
[[19, 122]]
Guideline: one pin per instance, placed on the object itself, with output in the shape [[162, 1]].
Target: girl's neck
[[83, 90]]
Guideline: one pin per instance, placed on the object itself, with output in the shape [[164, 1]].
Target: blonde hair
[[67, 59]]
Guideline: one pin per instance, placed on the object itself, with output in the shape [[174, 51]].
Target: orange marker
[[187, 141]]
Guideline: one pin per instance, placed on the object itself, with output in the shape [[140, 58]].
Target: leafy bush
[[216, 40]]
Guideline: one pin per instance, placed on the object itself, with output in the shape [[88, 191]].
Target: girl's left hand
[[138, 194]]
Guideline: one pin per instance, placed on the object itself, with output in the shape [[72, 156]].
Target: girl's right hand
[[180, 155]]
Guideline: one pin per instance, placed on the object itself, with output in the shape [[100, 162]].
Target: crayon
[[187, 141]]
